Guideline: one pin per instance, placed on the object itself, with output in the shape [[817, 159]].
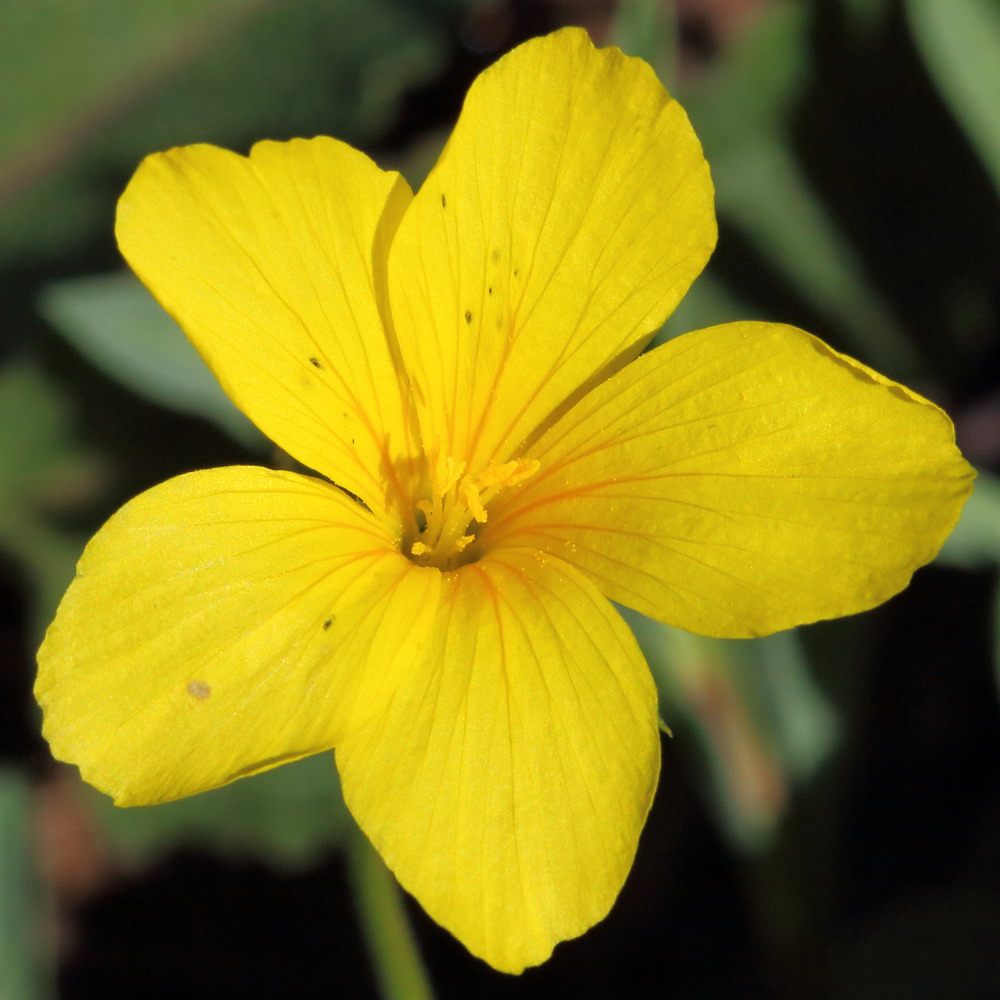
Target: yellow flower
[[465, 362]]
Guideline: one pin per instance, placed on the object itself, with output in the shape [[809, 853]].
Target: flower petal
[[274, 265], [569, 213], [740, 480], [223, 623], [510, 775]]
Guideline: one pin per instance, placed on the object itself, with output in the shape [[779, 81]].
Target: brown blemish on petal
[[198, 689]]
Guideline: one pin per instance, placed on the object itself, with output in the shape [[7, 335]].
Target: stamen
[[457, 503], [508, 474], [470, 497]]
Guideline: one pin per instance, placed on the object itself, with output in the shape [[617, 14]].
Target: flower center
[[449, 522]]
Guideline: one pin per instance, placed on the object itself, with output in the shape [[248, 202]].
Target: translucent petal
[[741, 480], [223, 623], [274, 265], [569, 213], [509, 777]]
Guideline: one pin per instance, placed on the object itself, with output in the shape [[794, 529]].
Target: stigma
[[450, 519]]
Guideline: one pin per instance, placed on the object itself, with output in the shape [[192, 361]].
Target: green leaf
[[960, 43], [762, 724], [288, 816], [118, 326]]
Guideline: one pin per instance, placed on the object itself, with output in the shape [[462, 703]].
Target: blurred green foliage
[[25, 956], [45, 470], [101, 396], [742, 112], [60, 58], [763, 725], [98, 85], [117, 325], [287, 816], [960, 41]]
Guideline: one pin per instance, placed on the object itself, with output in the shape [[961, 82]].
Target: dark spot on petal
[[496, 254], [489, 291], [443, 200], [468, 316], [515, 272], [327, 624], [315, 363]]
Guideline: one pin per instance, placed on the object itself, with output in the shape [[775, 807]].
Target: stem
[[386, 928]]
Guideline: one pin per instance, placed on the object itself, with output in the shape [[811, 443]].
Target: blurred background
[[828, 816]]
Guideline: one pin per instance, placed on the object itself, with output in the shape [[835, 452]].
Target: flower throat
[[449, 522]]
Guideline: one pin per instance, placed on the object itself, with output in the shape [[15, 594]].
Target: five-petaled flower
[[465, 362]]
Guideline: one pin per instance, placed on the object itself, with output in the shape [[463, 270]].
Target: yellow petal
[[274, 265], [741, 480], [221, 624], [510, 775], [569, 213]]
